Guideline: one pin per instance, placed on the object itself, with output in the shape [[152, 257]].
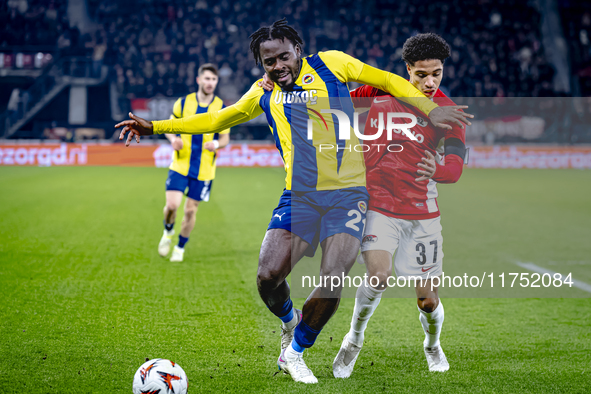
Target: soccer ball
[[160, 376]]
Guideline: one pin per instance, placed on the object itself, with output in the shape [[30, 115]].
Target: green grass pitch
[[85, 298]]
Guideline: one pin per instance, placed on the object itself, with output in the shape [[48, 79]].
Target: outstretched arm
[[405, 91], [347, 69], [212, 122]]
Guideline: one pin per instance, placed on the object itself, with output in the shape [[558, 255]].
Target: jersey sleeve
[[177, 110], [345, 67], [397, 87], [456, 132], [455, 149], [215, 121], [451, 171], [349, 69], [455, 139], [227, 131], [455, 143]]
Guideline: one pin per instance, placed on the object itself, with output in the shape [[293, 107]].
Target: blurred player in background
[[403, 215], [321, 191], [193, 165]]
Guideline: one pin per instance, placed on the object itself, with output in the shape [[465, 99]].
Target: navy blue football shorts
[[193, 188], [317, 215]]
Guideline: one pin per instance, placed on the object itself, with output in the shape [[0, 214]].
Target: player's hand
[[428, 167], [177, 143], [136, 127], [210, 146], [444, 117], [266, 83]]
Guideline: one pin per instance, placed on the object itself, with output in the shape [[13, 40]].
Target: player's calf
[[189, 216], [274, 266], [431, 316], [173, 201], [170, 208], [432, 322], [275, 293], [369, 294], [187, 225]]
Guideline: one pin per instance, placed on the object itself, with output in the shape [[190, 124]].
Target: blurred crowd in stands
[[496, 45], [38, 23], [576, 22], [154, 47]]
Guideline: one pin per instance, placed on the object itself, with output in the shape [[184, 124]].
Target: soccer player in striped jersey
[[403, 215], [193, 164], [325, 199]]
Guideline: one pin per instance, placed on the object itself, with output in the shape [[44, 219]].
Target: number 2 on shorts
[[353, 222]]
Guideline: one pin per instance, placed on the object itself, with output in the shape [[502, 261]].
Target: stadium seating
[[498, 48]]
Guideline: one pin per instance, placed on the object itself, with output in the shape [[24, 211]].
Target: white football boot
[[295, 366], [165, 241], [177, 254], [287, 334], [344, 362], [436, 359]]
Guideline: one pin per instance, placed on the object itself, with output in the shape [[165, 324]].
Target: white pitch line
[[576, 283]]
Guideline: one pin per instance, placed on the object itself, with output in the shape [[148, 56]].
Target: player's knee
[[428, 304], [191, 208], [334, 271], [190, 213], [171, 206], [269, 278], [332, 282], [378, 279]]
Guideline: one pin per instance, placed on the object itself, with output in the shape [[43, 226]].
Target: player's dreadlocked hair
[[278, 30], [425, 47]]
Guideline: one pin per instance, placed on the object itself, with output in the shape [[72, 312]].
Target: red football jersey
[[391, 174]]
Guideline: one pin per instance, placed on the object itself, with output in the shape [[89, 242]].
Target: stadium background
[[85, 297], [69, 69]]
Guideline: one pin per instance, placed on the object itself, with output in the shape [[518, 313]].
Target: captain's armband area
[[455, 146]]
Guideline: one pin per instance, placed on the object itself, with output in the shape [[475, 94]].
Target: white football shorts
[[417, 243]]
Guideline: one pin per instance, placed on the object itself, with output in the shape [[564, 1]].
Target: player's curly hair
[[279, 30], [425, 46]]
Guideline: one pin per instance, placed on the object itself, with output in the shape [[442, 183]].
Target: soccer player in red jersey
[[403, 215]]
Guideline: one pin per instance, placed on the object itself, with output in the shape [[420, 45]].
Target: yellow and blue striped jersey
[[321, 84], [193, 160], [309, 168]]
